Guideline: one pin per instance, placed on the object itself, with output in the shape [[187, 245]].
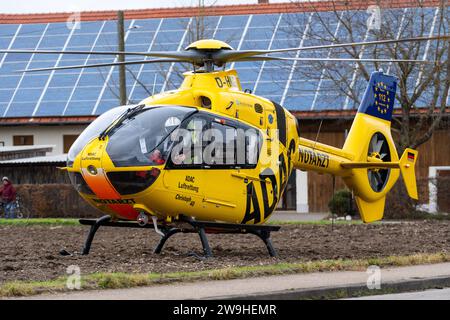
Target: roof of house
[[8, 149], [67, 120], [60, 158], [242, 9], [89, 99]]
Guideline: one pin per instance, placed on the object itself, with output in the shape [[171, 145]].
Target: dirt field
[[32, 252]]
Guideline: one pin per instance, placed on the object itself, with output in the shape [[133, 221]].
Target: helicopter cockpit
[[137, 136], [133, 140], [144, 139]]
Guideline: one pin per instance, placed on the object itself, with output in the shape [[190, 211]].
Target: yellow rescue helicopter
[[209, 157]]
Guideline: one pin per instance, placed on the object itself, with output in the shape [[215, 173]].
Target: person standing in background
[[8, 197]]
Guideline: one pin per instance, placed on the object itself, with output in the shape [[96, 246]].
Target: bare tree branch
[[422, 90]]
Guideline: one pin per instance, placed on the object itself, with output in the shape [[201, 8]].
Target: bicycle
[[20, 211]]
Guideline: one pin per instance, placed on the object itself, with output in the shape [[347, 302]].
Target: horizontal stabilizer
[[406, 165], [362, 165]]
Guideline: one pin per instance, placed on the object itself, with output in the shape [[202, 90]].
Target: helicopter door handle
[[220, 203], [246, 177]]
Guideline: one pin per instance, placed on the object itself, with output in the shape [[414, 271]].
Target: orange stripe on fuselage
[[103, 190], [99, 184]]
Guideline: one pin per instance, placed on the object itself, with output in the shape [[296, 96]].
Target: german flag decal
[[411, 156]]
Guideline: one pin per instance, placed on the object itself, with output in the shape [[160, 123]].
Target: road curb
[[345, 291]]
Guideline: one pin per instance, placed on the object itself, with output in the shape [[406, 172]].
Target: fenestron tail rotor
[[378, 148], [209, 53]]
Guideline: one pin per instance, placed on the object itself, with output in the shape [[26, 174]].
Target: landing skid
[[192, 226]]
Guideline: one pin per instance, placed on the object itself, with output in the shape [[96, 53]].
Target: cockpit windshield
[[141, 140], [93, 130]]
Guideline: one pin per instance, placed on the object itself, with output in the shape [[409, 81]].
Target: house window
[[23, 140], [68, 140]]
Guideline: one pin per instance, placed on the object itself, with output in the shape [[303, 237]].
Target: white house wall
[[43, 135]]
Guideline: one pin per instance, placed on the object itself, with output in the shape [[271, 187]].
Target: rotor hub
[[209, 45]]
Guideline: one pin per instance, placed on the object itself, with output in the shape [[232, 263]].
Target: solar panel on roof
[[83, 92]]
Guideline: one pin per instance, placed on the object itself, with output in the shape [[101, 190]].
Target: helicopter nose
[[96, 178]]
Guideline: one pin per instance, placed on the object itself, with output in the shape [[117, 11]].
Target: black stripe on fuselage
[[281, 122]]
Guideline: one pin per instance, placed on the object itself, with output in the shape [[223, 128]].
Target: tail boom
[[368, 162], [321, 158]]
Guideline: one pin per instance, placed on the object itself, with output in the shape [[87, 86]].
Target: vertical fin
[[379, 98], [371, 211], [407, 168]]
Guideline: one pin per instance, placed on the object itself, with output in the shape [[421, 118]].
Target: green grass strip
[[129, 280], [74, 221], [318, 222], [71, 222], [38, 221]]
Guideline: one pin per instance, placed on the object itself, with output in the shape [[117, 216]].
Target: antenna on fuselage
[[318, 132]]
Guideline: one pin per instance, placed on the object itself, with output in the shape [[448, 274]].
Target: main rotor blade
[[267, 58], [97, 65], [352, 44], [185, 55], [226, 56]]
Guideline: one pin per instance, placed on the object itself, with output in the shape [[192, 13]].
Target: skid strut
[[94, 227], [193, 226]]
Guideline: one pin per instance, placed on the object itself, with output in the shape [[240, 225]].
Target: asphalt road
[[435, 294]]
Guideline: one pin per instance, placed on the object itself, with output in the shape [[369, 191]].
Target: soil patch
[[32, 252]]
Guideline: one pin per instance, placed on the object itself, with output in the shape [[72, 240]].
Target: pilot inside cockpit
[[144, 139]]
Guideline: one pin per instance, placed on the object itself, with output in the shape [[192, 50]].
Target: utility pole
[[121, 58], [200, 22]]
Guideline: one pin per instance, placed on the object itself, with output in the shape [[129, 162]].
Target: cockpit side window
[[208, 141]]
